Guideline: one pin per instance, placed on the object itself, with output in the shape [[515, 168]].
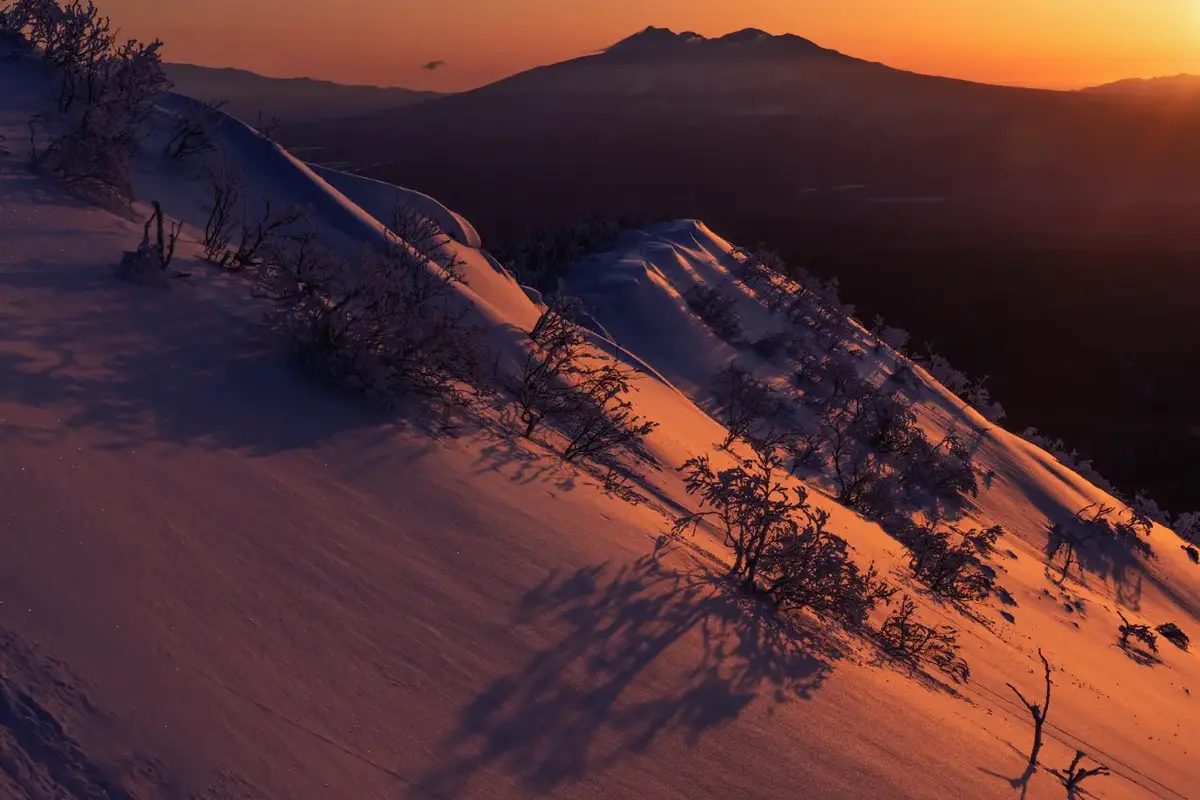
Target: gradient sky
[[1050, 43]]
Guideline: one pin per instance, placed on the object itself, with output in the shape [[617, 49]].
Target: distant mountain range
[[246, 94], [1182, 87]]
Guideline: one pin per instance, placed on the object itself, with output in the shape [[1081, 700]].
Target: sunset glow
[[1051, 43]]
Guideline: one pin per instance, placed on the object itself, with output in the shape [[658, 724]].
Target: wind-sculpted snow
[[380, 200], [272, 174]]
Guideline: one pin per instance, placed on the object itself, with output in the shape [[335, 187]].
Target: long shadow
[[507, 455], [1111, 559], [1020, 782], [147, 365], [599, 695]]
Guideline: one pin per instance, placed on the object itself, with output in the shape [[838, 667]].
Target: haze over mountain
[[292, 99]]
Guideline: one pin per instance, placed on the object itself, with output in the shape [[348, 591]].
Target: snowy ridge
[[274, 592]]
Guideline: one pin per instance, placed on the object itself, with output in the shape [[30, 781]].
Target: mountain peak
[[749, 43], [653, 39]]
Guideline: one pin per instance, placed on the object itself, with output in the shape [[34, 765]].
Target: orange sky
[[1055, 43]]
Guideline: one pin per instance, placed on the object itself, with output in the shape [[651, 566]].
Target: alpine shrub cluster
[[781, 545], [585, 392], [391, 323], [106, 92]]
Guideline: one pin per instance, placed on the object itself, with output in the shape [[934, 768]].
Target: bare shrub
[[1187, 526], [716, 307], [152, 257], [868, 440], [540, 258], [190, 133], [748, 504], [860, 475], [944, 471], [811, 568], [604, 421], [895, 338], [226, 187], [116, 83], [389, 325], [543, 389], [1147, 508], [1038, 712], [266, 126], [91, 165], [820, 374], [134, 77], [746, 403], [888, 423], [907, 639], [1175, 635], [1074, 775], [779, 539], [941, 370], [317, 295], [258, 234], [832, 379], [562, 379], [771, 346], [979, 398], [1070, 458], [948, 561]]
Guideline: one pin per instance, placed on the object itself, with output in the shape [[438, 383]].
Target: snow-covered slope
[[219, 580]]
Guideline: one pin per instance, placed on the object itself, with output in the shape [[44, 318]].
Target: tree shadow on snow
[[522, 463], [616, 682], [1020, 782], [1112, 561], [137, 365], [1140, 655]]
